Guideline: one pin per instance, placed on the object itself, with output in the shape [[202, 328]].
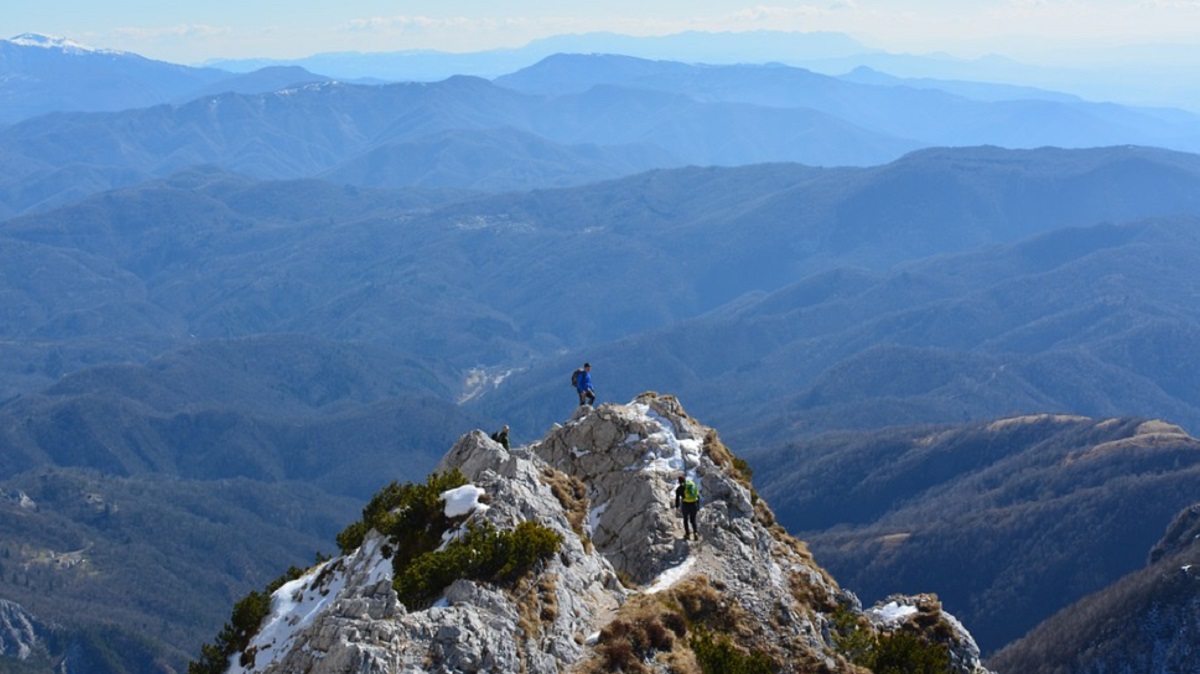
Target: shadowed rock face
[[604, 481]]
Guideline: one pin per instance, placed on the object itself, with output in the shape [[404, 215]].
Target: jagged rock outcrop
[[623, 591]]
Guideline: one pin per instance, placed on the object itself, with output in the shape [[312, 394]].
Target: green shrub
[[412, 517], [483, 554], [902, 652], [906, 653], [719, 656], [852, 636], [411, 512]]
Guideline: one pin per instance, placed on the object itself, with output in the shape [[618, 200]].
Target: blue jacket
[[584, 381]]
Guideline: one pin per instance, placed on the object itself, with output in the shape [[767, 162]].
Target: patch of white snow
[[593, 520], [671, 576], [293, 607], [892, 612], [462, 500]]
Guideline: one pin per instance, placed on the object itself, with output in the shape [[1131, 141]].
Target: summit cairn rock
[[624, 591]]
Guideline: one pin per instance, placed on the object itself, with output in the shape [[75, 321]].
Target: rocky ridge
[[624, 590], [22, 636]]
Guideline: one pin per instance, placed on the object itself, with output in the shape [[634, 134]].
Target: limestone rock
[[624, 583]]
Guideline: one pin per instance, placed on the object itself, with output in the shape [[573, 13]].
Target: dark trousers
[[587, 397], [689, 511]]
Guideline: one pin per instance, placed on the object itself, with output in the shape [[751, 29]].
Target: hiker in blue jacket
[[583, 385]]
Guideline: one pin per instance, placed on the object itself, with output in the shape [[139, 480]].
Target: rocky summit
[[621, 591]]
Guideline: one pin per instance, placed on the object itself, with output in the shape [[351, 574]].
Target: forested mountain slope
[[1145, 622], [1008, 521]]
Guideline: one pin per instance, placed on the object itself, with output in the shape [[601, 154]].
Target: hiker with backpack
[[501, 436], [687, 502], [582, 380]]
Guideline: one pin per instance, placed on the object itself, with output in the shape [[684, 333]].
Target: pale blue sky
[[185, 31]]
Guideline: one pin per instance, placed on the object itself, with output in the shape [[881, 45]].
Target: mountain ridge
[[42, 74], [601, 486], [644, 115]]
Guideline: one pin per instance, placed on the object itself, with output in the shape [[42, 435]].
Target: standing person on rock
[[582, 378], [687, 501]]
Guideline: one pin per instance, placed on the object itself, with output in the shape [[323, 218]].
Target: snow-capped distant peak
[[53, 42]]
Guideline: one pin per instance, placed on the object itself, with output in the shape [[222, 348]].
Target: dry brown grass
[[653, 633], [572, 494], [645, 630], [537, 604]]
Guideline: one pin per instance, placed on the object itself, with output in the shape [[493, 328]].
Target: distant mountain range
[[567, 120], [39, 75], [1150, 75], [285, 292]]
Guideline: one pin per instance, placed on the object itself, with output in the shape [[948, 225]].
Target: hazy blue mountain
[[928, 114], [690, 46], [40, 75], [1147, 75], [979, 91], [263, 80], [494, 160], [313, 129], [212, 256], [1095, 321], [587, 118]]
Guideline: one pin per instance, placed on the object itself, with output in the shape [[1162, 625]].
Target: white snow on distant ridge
[[54, 42]]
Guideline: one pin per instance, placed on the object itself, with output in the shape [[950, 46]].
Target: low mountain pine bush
[[483, 553]]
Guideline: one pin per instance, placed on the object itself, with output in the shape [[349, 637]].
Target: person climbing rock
[[582, 379], [687, 501], [501, 436]]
